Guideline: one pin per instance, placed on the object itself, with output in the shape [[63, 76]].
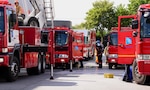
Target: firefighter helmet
[[16, 1]]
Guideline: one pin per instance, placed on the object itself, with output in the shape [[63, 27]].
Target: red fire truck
[[133, 45], [112, 58], [87, 43], [77, 47], [20, 46], [62, 43]]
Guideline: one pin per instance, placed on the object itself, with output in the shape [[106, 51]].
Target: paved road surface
[[88, 78]]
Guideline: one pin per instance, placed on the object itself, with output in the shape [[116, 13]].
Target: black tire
[[100, 65], [86, 59], [33, 22], [110, 65], [43, 63], [13, 71], [138, 78], [37, 70], [30, 71], [116, 66]]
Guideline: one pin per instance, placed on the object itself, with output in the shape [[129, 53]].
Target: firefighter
[[99, 52], [106, 53], [19, 12], [128, 74]]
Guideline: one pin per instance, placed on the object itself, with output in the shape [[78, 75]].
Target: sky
[[75, 10]]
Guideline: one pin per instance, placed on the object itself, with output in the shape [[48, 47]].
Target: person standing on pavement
[[99, 53], [106, 53]]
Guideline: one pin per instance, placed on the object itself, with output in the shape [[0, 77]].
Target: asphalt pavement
[[88, 78]]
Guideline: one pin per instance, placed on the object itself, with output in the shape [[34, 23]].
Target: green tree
[[134, 4], [101, 16], [80, 26], [121, 10]]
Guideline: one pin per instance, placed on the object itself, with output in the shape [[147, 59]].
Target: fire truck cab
[[77, 47], [20, 46], [133, 44], [62, 48], [112, 57], [86, 44]]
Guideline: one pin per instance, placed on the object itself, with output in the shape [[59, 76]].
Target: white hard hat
[[16, 1], [98, 44]]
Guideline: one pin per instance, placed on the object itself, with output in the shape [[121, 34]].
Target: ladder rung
[[48, 10]]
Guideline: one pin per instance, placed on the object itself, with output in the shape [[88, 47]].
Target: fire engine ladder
[[49, 11], [49, 15]]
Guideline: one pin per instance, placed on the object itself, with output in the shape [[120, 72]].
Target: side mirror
[[12, 18], [135, 24], [134, 34], [44, 37]]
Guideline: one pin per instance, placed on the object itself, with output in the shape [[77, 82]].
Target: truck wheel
[[110, 65], [138, 78], [30, 71], [43, 63], [13, 71], [33, 22], [116, 66], [38, 68]]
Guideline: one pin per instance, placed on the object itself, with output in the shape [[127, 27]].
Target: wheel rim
[[33, 23], [39, 63], [39, 66], [14, 69], [138, 76], [44, 64]]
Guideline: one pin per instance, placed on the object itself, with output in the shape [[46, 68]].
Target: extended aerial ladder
[[49, 15], [42, 11], [47, 11]]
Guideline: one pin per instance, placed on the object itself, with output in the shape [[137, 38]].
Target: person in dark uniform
[[99, 53]]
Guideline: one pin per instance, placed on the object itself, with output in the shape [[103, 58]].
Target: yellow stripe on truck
[[126, 55]]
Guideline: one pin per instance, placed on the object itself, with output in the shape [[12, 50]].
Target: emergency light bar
[[4, 2], [144, 8], [61, 28]]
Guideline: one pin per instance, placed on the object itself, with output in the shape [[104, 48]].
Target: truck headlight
[[4, 50], [1, 60], [113, 56], [85, 49], [63, 56], [85, 54], [143, 57]]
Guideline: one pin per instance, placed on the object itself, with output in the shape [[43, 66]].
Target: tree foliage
[[80, 26], [101, 16], [121, 10], [134, 4]]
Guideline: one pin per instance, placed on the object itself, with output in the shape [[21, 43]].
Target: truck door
[[126, 43], [78, 46]]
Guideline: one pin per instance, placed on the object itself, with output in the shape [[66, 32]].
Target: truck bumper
[[77, 58], [61, 60], [144, 67], [112, 60], [4, 60]]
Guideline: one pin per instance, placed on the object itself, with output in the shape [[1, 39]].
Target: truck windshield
[[1, 20], [61, 38], [114, 39], [145, 26]]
